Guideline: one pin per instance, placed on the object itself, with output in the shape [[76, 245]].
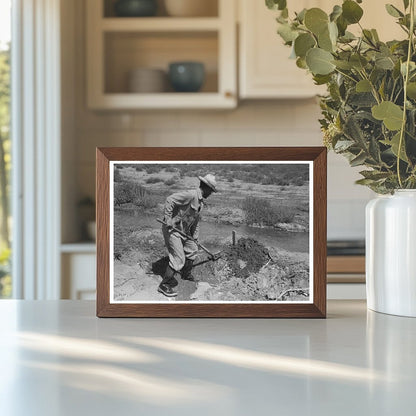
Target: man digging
[[183, 211]]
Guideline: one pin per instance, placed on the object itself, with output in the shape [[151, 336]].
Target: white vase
[[391, 253]]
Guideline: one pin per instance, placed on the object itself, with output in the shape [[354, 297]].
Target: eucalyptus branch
[[398, 95], [406, 79], [392, 90], [373, 88], [346, 75]]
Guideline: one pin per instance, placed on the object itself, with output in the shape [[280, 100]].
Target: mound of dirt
[[246, 257]]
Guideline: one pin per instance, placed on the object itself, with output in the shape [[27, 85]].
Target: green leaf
[[374, 150], [375, 35], [365, 182], [319, 61], [303, 43], [353, 131], [393, 11], [276, 4], [412, 67], [396, 70], [374, 174], [347, 37], [411, 90], [282, 20], [391, 114], [406, 4], [394, 143], [362, 99], [321, 79], [336, 12], [368, 36], [384, 62], [343, 145], [345, 65], [351, 11], [363, 86], [316, 20], [382, 89], [325, 42], [301, 15], [333, 32], [287, 33], [301, 63], [358, 61], [358, 160]]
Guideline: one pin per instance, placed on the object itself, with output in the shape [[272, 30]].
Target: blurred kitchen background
[[118, 88]]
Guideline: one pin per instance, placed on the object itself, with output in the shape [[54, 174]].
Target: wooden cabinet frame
[[224, 26]]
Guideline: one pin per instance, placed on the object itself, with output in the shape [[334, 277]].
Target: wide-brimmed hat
[[210, 181]]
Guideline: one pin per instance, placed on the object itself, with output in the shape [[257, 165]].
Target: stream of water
[[290, 241], [294, 242]]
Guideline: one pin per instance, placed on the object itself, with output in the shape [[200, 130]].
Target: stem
[[392, 91], [406, 79], [373, 88], [346, 75]]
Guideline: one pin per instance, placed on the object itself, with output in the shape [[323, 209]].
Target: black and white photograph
[[211, 232]]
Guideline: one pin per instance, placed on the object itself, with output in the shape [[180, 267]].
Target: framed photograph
[[211, 232]]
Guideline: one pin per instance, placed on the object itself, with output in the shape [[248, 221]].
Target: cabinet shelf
[[198, 100], [160, 24], [116, 46]]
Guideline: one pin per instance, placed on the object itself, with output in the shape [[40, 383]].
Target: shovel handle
[[188, 236]]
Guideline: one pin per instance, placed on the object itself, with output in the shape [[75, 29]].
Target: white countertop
[[57, 358]]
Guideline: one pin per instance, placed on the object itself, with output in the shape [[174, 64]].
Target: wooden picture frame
[[111, 159]]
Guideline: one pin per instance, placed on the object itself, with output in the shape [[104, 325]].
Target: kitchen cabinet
[[118, 45], [265, 70], [346, 277], [78, 263]]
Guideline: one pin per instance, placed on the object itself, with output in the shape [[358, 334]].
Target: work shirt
[[185, 208]]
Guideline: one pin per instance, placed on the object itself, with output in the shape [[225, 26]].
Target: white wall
[[253, 123]]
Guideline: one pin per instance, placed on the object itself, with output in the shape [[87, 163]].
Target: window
[[5, 147]]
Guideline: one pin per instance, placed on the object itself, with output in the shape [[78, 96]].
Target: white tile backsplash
[[257, 123]]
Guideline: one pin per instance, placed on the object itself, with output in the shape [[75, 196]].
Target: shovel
[[213, 256]]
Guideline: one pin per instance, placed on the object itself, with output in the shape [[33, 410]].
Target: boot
[[187, 271], [168, 283]]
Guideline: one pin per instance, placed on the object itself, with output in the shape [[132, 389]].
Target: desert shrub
[[230, 179], [130, 192], [170, 182], [261, 211], [298, 181], [170, 169], [152, 169], [282, 182], [154, 179], [139, 168], [117, 175], [268, 180]]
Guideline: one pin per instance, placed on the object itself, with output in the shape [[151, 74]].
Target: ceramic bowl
[[135, 8], [186, 76]]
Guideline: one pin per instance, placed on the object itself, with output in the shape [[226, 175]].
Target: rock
[[241, 263], [271, 294], [263, 282], [292, 227], [201, 290]]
